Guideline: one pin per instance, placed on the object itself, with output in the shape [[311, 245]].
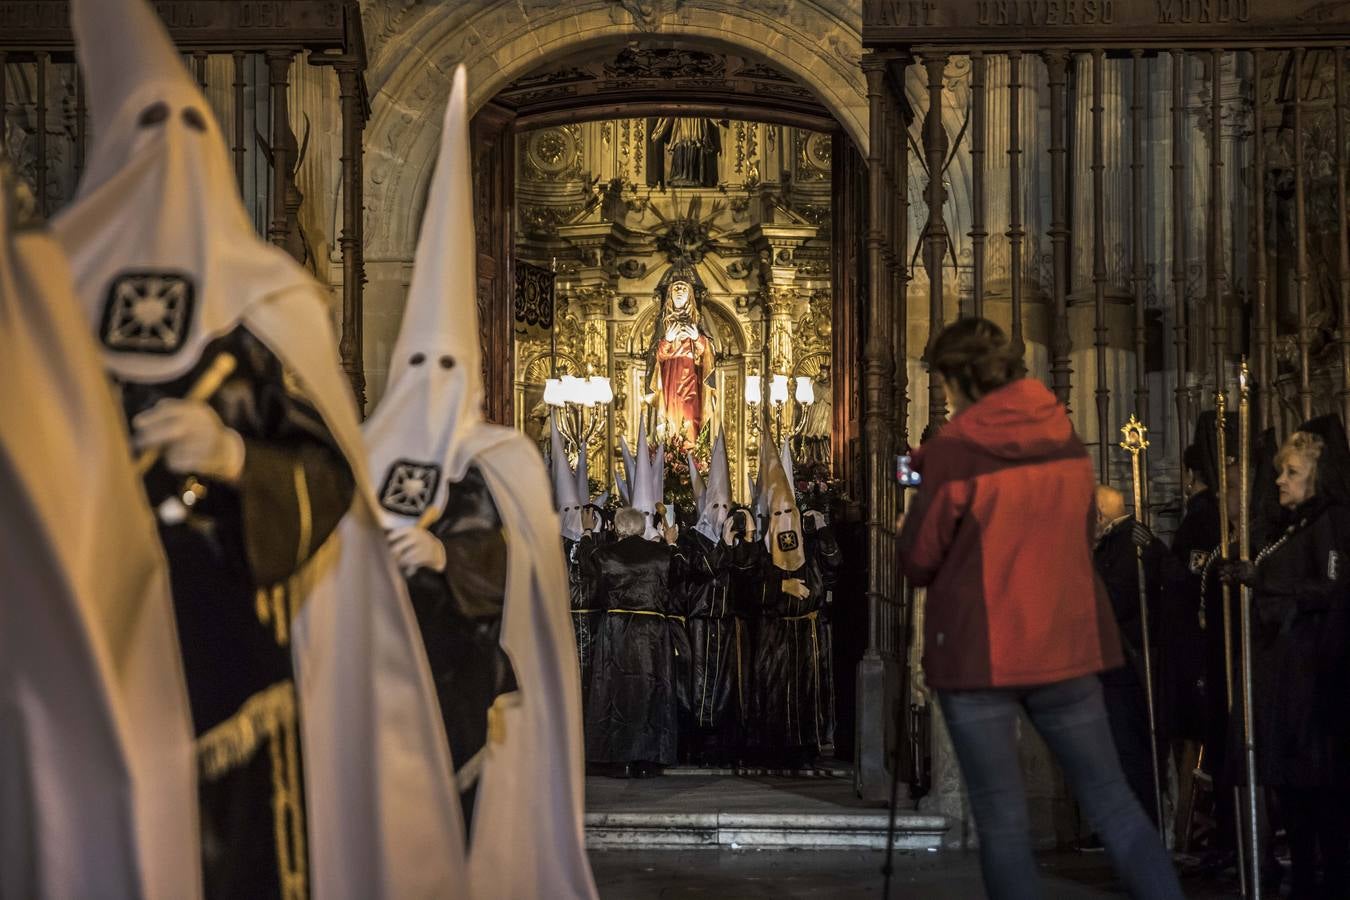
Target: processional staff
[[1225, 554], [1245, 618], [1135, 442]]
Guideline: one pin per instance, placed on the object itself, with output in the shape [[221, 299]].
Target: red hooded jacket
[[1001, 535]]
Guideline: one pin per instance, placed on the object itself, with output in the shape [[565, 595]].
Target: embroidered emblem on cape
[[787, 541], [147, 312], [410, 487], [1333, 565], [1198, 560]]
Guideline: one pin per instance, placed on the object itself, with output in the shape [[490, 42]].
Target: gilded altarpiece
[[758, 243]]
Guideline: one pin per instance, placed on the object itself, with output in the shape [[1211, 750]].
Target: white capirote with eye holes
[[716, 494], [568, 494], [162, 251]]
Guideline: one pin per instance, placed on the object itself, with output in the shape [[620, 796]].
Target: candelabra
[[580, 408], [804, 394]]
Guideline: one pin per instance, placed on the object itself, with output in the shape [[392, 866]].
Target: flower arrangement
[[675, 458], [816, 489]]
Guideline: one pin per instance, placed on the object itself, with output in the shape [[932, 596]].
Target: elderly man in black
[[631, 719], [1119, 535]]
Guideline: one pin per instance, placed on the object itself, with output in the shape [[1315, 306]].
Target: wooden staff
[[221, 368], [1225, 554], [1135, 442], [1245, 613]]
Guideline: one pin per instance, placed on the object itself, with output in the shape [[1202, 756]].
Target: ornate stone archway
[[414, 48]]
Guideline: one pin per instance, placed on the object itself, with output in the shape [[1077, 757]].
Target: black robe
[[632, 715], [586, 619], [459, 613], [1300, 654], [787, 715], [823, 550], [231, 564], [1183, 679], [717, 649], [1124, 688]]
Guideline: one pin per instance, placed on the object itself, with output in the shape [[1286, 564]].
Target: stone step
[[760, 831], [760, 812]]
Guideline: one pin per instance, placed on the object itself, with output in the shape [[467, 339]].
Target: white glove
[[416, 548], [727, 537], [816, 517], [796, 587], [191, 438]]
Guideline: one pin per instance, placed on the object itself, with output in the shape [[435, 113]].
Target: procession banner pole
[[1225, 554], [1245, 611], [1135, 442]]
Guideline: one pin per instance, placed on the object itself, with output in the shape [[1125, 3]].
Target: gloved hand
[[416, 548], [1236, 571], [192, 439], [815, 517], [796, 587], [728, 535], [588, 518], [1141, 535]]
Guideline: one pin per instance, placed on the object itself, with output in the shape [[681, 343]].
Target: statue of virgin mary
[[681, 367]]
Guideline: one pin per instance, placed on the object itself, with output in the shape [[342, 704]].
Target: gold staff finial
[[1135, 434]]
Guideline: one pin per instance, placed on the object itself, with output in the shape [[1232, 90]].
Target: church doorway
[[659, 182]]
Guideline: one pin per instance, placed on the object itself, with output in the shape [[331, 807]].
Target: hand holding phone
[[904, 474]]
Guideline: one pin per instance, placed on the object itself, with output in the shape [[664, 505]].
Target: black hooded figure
[[1299, 648]]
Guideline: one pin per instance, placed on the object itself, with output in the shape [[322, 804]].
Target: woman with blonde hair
[[1299, 649]]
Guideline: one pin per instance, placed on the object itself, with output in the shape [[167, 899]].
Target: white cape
[[98, 793]]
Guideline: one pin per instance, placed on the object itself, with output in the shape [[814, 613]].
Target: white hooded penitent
[[165, 259], [566, 497], [716, 504], [783, 527], [528, 838], [95, 730]]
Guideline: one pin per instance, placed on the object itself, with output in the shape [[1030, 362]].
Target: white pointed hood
[[565, 483], [419, 435], [161, 248], [789, 469], [643, 484], [695, 483], [717, 494], [625, 478], [528, 827], [164, 259], [783, 530]]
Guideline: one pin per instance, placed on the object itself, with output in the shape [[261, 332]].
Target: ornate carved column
[[935, 145], [877, 673], [778, 302], [350, 240], [1056, 62], [279, 77]]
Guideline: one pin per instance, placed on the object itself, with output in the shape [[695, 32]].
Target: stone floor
[[840, 875], [683, 836], [745, 812]]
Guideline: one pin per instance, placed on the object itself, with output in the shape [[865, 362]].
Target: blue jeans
[[1071, 717]]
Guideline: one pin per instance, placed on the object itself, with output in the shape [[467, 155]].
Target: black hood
[[1206, 443], [1333, 466]]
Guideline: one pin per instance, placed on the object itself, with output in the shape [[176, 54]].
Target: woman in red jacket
[[1001, 535]]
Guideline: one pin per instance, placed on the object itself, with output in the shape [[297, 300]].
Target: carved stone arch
[[500, 42]]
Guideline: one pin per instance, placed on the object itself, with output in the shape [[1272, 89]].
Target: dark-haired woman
[[1000, 534], [1300, 582]]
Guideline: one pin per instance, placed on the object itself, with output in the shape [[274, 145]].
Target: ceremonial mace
[[1135, 443], [1225, 554], [1245, 613]]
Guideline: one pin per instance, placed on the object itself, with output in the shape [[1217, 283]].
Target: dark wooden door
[[493, 135]]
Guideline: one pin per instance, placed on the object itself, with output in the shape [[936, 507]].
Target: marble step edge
[[802, 831]]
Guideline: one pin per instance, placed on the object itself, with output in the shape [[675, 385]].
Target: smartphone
[[905, 475]]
